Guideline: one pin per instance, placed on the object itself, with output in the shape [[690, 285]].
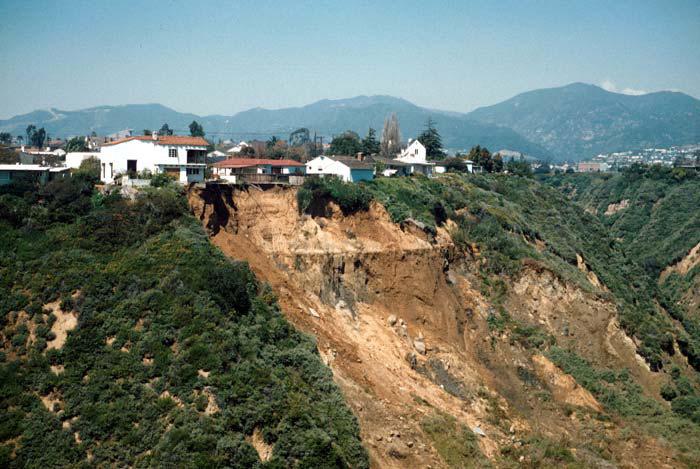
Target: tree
[[90, 168], [431, 140], [370, 144], [347, 143], [147, 132], [37, 137], [456, 165], [272, 142], [247, 151], [165, 130], [299, 137], [6, 138], [196, 129], [76, 144], [497, 163], [481, 157], [391, 137], [30, 131], [521, 167]]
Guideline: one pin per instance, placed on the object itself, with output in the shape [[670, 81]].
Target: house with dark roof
[[235, 169], [182, 157]]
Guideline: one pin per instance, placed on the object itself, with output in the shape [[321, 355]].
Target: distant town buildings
[[592, 167], [660, 156]]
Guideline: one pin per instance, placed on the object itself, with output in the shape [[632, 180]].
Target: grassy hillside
[[174, 356], [516, 222]]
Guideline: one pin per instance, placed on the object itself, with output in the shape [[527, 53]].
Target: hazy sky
[[220, 57]]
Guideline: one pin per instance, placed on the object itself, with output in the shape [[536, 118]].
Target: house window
[[192, 171], [111, 169], [103, 170], [172, 152]]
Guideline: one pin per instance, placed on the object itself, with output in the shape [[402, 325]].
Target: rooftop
[[247, 162], [32, 167], [164, 140]]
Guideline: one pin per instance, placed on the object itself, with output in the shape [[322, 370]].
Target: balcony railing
[[279, 179]]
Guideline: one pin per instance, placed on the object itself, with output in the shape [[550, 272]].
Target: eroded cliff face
[[400, 318]]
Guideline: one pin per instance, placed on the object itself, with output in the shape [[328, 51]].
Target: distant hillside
[[572, 122], [329, 117], [103, 120], [580, 120], [326, 118]]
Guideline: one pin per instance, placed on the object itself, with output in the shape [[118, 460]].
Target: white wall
[[325, 165], [73, 159]]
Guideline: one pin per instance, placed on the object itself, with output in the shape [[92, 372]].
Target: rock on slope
[[400, 318]]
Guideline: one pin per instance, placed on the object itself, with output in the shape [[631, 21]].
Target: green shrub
[[314, 195]]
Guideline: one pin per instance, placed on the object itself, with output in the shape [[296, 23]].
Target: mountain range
[[566, 123], [581, 120]]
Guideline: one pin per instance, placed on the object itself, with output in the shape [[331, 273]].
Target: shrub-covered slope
[[516, 223], [128, 340], [654, 215]]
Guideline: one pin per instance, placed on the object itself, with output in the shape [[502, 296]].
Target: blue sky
[[220, 57]]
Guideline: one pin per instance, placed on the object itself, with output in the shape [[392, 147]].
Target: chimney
[[154, 134]]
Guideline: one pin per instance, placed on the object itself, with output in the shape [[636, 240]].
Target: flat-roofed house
[[42, 174], [231, 168], [184, 158]]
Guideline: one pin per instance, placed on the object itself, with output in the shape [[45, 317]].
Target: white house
[[347, 168], [216, 154], [237, 148], [182, 157], [415, 155]]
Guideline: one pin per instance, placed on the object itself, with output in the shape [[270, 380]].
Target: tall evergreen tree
[[431, 140], [196, 129], [370, 144], [391, 137], [165, 130]]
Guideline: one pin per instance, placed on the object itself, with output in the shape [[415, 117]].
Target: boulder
[[419, 345], [392, 320]]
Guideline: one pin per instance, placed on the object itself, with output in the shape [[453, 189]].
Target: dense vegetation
[[516, 222], [657, 222], [178, 354]]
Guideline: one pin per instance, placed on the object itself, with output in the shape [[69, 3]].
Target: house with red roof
[[182, 157], [236, 168]]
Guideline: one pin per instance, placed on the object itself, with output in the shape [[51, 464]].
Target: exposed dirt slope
[[401, 321]]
